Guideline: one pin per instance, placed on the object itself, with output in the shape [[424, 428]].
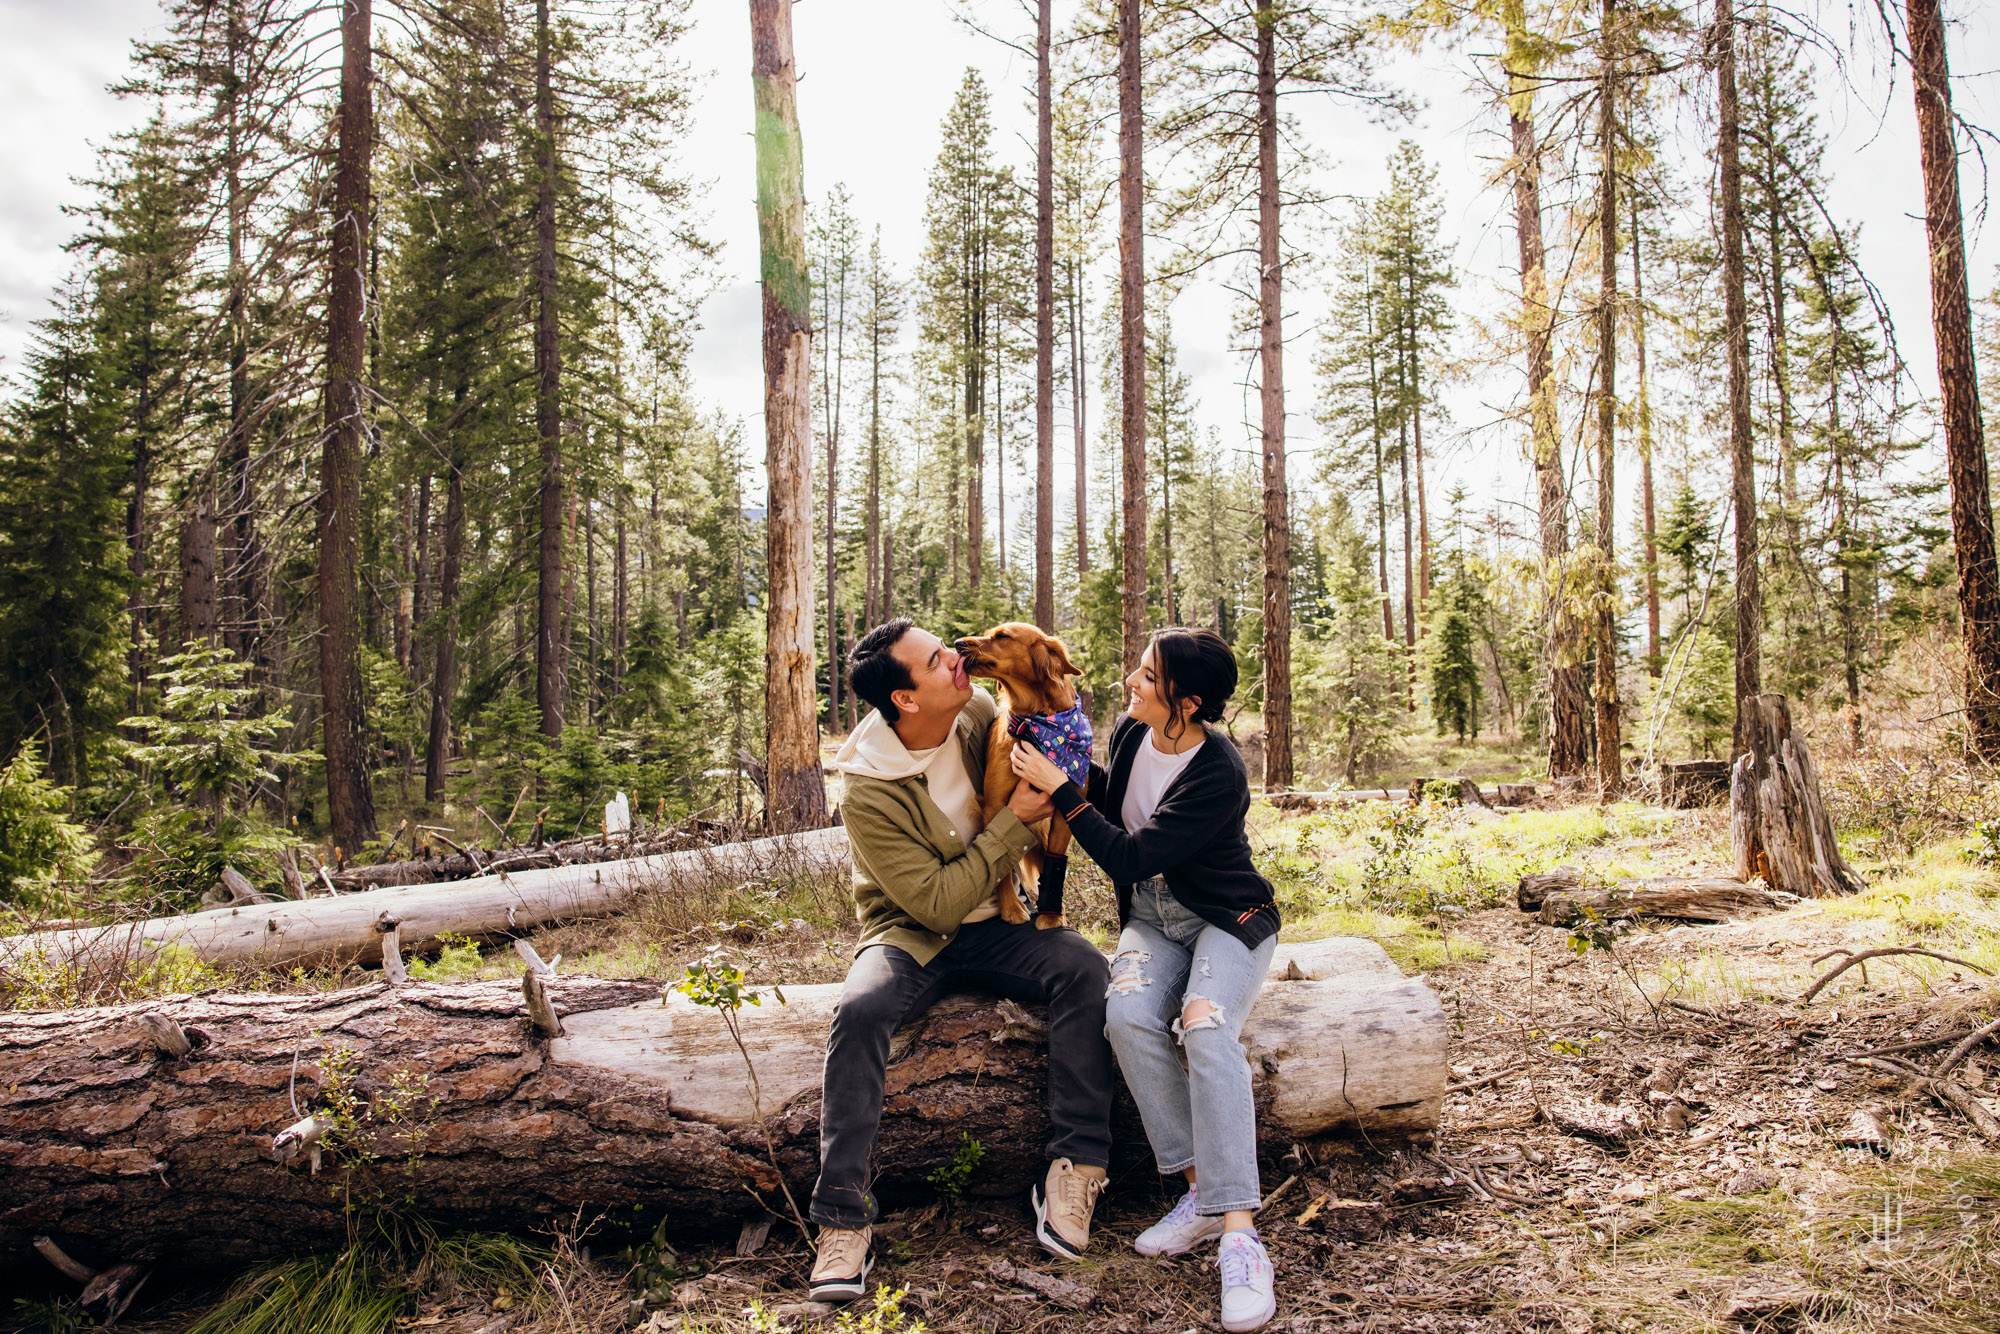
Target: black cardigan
[[1195, 838]]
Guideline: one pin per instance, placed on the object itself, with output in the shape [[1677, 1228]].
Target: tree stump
[[1778, 823]]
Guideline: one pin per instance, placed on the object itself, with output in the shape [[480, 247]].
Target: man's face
[[941, 685]]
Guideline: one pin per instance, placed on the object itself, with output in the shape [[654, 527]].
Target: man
[[924, 877]]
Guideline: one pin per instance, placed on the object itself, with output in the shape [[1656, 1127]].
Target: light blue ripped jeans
[[1202, 1115]]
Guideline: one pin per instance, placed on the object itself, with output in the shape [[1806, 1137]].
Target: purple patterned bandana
[[1063, 737]]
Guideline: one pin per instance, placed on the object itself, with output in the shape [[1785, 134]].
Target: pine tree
[[63, 476]]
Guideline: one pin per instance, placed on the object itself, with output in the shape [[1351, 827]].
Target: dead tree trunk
[[1958, 384], [341, 929], [797, 797], [197, 620], [1736, 321], [1778, 823], [640, 1108]]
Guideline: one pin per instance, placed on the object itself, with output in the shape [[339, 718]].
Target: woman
[[1198, 928]]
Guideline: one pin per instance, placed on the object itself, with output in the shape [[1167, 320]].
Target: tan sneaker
[[1063, 1204], [840, 1274]]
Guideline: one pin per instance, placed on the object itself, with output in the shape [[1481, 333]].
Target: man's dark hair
[[1194, 664], [873, 671]]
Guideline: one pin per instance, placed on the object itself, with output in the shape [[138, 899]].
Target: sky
[[876, 77]]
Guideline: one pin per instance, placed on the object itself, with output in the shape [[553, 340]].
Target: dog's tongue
[[959, 676]]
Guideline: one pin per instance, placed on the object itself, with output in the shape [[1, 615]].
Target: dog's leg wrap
[[1049, 889]]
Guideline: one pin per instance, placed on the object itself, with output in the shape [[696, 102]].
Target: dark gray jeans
[[885, 987]]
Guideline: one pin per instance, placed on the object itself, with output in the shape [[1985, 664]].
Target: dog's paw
[[1049, 921]]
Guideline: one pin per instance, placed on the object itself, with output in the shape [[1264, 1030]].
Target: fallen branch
[[1944, 1090], [1880, 953], [1061, 1291], [1964, 1049]]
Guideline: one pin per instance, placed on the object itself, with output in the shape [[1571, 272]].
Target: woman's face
[[1144, 699]]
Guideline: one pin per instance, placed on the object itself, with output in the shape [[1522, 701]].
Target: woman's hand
[[1032, 766]]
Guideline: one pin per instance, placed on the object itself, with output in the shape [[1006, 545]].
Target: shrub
[[39, 844]]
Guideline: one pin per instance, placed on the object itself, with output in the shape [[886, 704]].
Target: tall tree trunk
[[796, 794], [1381, 494], [1132, 335], [1958, 384], [1409, 576], [876, 601], [1850, 627], [406, 573], [593, 674], [1045, 327], [244, 600], [349, 797], [832, 567], [197, 619], [551, 647], [444, 680], [1423, 508], [1277, 494], [1736, 319], [1566, 694], [1610, 769], [136, 536], [1078, 371], [621, 563], [1645, 415]]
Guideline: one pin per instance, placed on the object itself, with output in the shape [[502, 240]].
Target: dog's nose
[[960, 644]]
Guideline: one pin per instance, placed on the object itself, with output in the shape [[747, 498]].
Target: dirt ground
[[1660, 1136]]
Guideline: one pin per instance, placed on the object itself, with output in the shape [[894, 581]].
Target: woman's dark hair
[[873, 671], [1194, 664]]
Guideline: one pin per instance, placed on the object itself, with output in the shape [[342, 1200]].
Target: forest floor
[[1713, 1191]]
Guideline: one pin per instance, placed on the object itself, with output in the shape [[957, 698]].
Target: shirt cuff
[[1067, 800], [1009, 829]]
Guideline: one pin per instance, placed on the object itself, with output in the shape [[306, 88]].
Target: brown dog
[[1032, 669]]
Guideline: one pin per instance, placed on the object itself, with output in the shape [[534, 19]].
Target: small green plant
[[458, 960], [50, 1315], [886, 1316], [1392, 857], [716, 983], [1594, 931], [1987, 853], [40, 846], [952, 1178]]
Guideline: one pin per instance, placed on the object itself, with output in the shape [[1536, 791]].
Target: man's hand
[[1029, 803]]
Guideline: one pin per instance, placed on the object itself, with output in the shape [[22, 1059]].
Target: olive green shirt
[[914, 878]]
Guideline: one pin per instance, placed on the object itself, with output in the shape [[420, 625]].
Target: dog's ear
[[1061, 656], [1043, 661]]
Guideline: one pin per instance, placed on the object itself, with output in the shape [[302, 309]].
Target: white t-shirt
[[1153, 771], [951, 788]]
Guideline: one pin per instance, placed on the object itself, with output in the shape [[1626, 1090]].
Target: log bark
[[1684, 899], [341, 929], [1778, 823], [643, 1109]]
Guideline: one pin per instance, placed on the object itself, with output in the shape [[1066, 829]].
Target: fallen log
[[342, 928], [1689, 783], [1685, 899], [465, 862], [441, 1099], [1561, 895], [1778, 824]]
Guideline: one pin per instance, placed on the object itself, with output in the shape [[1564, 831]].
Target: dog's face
[[1030, 664]]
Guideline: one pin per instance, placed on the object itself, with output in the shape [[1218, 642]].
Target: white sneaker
[[1247, 1297], [1180, 1231]]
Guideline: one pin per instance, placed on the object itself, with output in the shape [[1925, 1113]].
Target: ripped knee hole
[[1198, 1013], [1128, 972]]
